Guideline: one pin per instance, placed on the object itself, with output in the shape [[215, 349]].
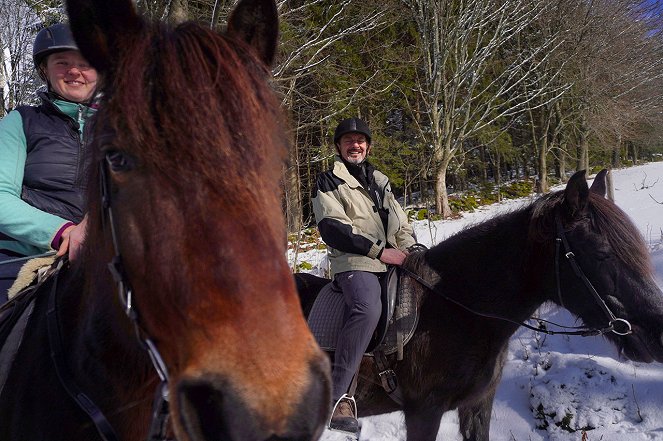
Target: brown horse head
[[192, 141]]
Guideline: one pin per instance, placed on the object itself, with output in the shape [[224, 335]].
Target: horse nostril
[[213, 410], [201, 412]]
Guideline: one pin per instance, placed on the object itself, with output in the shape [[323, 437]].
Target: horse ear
[[98, 26], [599, 185], [576, 194], [256, 22]]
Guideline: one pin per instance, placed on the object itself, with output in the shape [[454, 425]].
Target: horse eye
[[118, 161]]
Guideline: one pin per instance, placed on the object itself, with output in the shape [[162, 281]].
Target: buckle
[[388, 380]]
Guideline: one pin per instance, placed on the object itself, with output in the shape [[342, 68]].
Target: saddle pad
[[326, 318]]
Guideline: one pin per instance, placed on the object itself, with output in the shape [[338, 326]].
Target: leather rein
[[616, 325], [160, 407]]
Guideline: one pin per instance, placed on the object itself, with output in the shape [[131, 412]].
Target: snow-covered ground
[[580, 380]]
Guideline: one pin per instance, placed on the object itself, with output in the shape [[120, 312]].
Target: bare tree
[[306, 59], [463, 86], [618, 73], [18, 24]]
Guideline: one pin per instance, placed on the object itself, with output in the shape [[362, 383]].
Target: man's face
[[353, 147]]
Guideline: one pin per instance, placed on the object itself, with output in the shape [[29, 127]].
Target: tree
[[466, 84], [320, 80], [617, 73], [18, 25]]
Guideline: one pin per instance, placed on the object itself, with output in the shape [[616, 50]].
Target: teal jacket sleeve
[[18, 219]]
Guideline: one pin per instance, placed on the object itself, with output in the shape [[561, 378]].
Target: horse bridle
[[584, 331], [160, 407], [614, 323]]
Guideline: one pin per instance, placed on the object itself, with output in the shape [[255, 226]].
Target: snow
[[559, 388]]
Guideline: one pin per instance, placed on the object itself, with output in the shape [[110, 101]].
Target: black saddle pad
[[397, 322]]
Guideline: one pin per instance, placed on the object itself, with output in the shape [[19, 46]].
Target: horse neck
[[99, 342], [493, 267]]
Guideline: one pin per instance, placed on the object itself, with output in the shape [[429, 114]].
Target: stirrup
[[353, 404]]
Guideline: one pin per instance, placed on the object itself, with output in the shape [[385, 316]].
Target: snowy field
[[581, 380]]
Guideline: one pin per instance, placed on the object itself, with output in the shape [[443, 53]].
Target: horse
[[196, 329], [572, 247]]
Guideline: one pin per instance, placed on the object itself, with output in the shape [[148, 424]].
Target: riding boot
[[344, 415]]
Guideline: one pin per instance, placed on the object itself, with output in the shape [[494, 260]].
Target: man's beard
[[356, 161]]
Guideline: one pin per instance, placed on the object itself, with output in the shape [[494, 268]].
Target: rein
[[580, 330]]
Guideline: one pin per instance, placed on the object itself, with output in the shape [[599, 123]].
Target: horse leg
[[423, 422], [474, 420]]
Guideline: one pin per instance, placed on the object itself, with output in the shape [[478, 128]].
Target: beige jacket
[[350, 223]]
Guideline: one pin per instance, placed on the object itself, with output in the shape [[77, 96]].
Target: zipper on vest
[[80, 122], [81, 147]]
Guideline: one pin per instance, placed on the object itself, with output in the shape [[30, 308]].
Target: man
[[366, 230]]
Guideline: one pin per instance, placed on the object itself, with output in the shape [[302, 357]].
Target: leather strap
[[388, 377], [57, 355]]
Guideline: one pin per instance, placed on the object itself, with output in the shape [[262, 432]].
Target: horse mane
[[605, 217], [609, 220], [213, 86]]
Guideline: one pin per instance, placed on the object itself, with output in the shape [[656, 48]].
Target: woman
[[44, 156]]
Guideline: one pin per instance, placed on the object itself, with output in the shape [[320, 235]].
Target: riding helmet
[[352, 125], [55, 38]]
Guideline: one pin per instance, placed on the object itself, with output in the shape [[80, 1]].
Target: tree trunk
[[634, 152], [543, 150], [583, 149], [562, 162], [616, 161], [441, 195], [293, 197], [498, 176], [610, 186]]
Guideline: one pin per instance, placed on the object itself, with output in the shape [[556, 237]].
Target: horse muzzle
[[212, 409]]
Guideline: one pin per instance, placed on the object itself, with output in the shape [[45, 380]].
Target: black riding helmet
[[55, 38], [352, 125]]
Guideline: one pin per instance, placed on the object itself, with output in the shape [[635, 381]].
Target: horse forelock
[[188, 96], [195, 109]]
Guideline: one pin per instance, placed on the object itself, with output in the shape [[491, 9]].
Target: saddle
[[395, 328]]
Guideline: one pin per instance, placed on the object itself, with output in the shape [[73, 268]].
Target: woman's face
[[71, 76]]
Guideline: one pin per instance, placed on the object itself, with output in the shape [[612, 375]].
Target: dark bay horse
[[184, 199], [507, 267]]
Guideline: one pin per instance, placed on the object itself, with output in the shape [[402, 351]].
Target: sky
[[580, 377]]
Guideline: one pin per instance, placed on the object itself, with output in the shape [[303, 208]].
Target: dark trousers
[[363, 306], [8, 272]]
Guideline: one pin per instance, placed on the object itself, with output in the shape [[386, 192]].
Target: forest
[[469, 101]]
